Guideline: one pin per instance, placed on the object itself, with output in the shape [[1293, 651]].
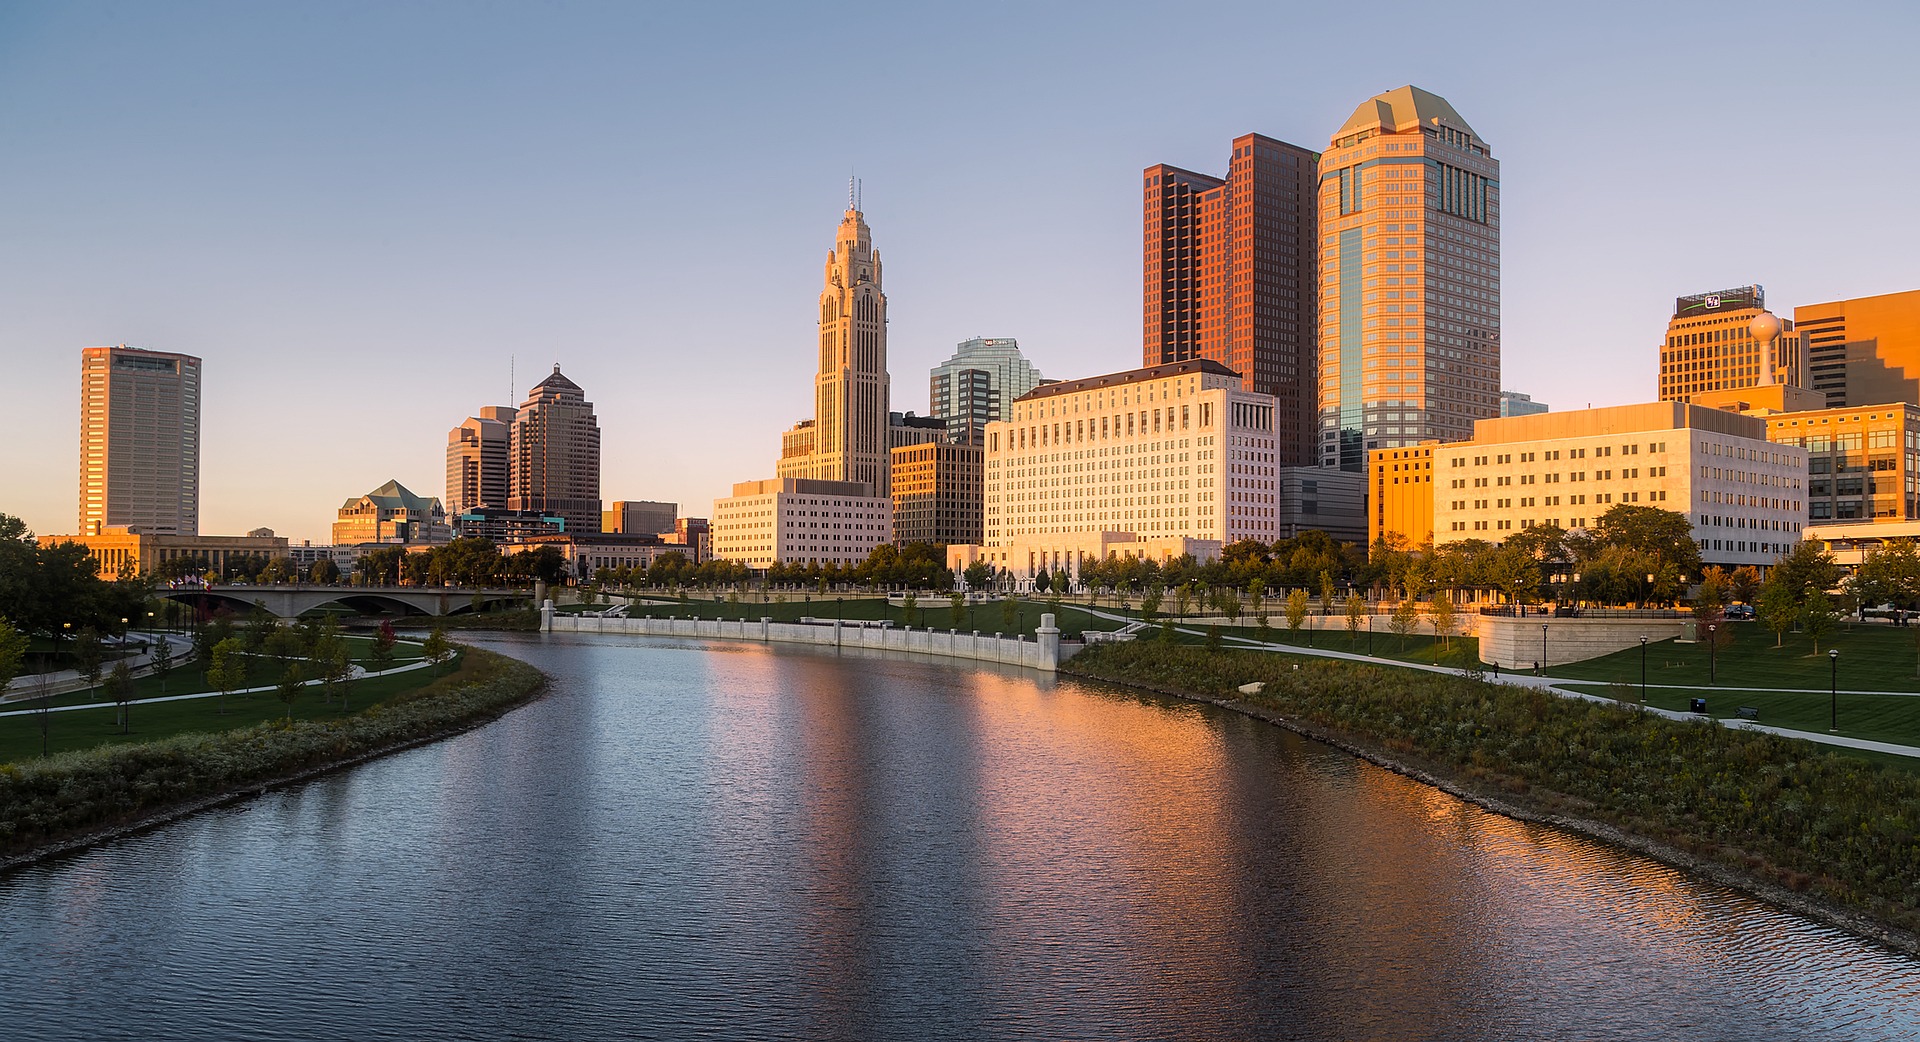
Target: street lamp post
[[1543, 645], [1369, 633], [1643, 671], [1833, 680], [1711, 653]]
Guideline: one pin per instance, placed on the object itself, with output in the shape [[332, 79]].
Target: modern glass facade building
[[1409, 213], [976, 386]]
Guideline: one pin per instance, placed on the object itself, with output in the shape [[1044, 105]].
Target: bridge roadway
[[289, 600]]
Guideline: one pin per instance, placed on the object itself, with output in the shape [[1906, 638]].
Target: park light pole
[[1712, 650], [1543, 645], [1643, 671], [1833, 680]]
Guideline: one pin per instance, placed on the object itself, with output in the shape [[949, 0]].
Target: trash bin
[[1699, 705]]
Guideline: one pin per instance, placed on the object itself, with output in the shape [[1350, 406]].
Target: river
[[714, 841]]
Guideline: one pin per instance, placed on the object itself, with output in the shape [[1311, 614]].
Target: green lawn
[[1872, 658], [185, 677], [84, 729], [1881, 718]]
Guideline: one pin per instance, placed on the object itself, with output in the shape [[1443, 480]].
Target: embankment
[[1828, 836], [73, 799]]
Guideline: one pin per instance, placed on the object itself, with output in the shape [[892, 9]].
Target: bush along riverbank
[[1826, 835], [78, 797]]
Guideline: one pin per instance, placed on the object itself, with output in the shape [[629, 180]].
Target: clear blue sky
[[356, 213]]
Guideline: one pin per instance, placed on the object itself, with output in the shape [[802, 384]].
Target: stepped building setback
[[977, 386], [848, 437], [553, 456], [1863, 350]]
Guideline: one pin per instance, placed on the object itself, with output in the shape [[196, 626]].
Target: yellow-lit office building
[[1400, 501], [1710, 346]]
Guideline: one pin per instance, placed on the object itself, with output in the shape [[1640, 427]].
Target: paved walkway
[[359, 673], [62, 681], [1552, 684]]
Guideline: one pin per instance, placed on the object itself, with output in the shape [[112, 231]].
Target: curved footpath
[[1552, 684]]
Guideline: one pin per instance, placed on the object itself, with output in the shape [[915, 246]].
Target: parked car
[[1741, 613]]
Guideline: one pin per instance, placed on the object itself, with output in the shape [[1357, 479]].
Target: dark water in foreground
[[731, 842]]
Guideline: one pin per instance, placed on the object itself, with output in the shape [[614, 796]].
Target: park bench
[[1747, 712]]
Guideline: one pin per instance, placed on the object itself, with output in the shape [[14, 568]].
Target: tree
[[282, 645], [163, 662], [1406, 619], [88, 656], [1819, 618], [1890, 574], [229, 670], [324, 571], [383, 642], [1663, 536], [978, 575], [289, 686], [1515, 572], [1009, 612], [1043, 580], [1444, 619], [1744, 584], [1326, 592], [260, 625], [120, 689], [1150, 603], [1805, 569], [1296, 611], [909, 602], [1183, 598], [1710, 600], [1356, 610], [1777, 609], [438, 648], [13, 653], [957, 606], [1227, 599]]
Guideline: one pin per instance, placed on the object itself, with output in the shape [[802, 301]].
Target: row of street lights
[[1833, 674]]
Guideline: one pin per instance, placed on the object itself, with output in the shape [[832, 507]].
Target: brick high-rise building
[[1230, 275], [139, 441], [554, 456], [1409, 279]]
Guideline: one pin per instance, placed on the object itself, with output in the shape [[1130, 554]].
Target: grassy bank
[[1778, 812], [1873, 657], [51, 800]]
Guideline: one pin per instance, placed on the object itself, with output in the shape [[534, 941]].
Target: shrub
[[1788, 813]]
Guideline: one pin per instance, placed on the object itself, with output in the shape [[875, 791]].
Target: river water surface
[[738, 842]]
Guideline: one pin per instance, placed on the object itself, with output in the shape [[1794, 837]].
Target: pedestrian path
[[359, 673], [1552, 684]]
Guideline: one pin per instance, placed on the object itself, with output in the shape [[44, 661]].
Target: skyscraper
[[554, 455], [139, 441], [477, 464], [1229, 275], [1865, 350], [1710, 346], [977, 385], [1409, 279], [848, 439]]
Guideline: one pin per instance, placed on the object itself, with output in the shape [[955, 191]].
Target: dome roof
[[1403, 109]]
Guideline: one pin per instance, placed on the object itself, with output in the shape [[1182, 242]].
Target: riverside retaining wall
[[1044, 653]]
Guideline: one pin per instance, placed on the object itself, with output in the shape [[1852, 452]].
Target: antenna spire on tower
[[852, 203]]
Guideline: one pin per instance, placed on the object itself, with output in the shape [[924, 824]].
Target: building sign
[[1741, 299]]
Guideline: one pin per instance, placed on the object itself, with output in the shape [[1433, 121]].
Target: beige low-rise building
[[1746, 496], [1174, 450], [800, 521], [391, 514], [123, 553], [1072, 552]]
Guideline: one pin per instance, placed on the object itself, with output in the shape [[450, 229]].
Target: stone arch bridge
[[290, 601]]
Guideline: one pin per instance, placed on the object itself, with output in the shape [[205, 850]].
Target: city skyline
[[332, 249]]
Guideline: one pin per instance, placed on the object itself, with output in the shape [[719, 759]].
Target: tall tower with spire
[[847, 440]]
